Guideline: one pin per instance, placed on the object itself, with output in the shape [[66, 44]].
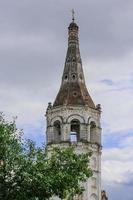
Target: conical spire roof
[[73, 89]]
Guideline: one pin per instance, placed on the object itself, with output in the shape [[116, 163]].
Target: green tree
[[28, 172]]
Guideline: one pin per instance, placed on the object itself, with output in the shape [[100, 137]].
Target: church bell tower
[[73, 118]]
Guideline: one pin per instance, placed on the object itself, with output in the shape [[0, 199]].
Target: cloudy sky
[[33, 44]]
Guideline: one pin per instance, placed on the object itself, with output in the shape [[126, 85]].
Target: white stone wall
[[85, 115]]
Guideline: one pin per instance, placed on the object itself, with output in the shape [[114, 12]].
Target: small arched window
[[93, 197], [65, 77], [73, 76], [57, 131], [75, 130], [92, 131]]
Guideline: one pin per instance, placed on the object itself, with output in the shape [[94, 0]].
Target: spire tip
[[73, 15]]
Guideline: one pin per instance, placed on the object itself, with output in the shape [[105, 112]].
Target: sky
[[33, 44]]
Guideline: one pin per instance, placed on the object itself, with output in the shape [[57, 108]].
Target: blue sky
[[33, 44]]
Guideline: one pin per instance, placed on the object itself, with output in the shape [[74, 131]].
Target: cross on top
[[73, 15]]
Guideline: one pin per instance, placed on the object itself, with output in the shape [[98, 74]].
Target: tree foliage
[[28, 172]]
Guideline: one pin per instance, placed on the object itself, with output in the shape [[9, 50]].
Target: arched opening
[[75, 130], [57, 131], [65, 76], [92, 131], [74, 76], [93, 197]]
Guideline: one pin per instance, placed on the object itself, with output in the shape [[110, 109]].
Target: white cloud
[[30, 41], [127, 142], [29, 108], [116, 99], [117, 165]]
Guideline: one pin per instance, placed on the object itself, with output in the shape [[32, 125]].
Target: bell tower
[[73, 118]]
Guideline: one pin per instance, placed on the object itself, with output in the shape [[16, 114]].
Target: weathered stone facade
[[90, 128], [89, 139], [74, 115]]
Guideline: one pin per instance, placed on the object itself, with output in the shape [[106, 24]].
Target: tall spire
[[73, 90]]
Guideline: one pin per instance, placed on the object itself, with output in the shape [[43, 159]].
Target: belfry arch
[[75, 130], [92, 131], [75, 117], [57, 131]]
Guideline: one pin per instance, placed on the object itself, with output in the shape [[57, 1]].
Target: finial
[[73, 13]]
